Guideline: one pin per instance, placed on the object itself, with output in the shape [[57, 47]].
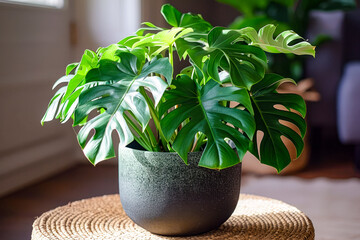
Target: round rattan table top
[[103, 218]]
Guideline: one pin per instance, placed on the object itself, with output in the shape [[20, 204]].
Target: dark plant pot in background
[[162, 194]]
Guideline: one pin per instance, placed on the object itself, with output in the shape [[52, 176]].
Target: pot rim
[[154, 152]]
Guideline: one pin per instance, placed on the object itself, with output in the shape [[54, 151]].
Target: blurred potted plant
[[187, 178], [285, 14]]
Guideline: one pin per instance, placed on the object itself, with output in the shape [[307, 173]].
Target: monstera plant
[[215, 106], [131, 82]]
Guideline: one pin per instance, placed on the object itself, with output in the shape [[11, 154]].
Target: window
[[41, 3]]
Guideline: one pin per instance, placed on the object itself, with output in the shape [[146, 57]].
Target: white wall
[[103, 22], [35, 48]]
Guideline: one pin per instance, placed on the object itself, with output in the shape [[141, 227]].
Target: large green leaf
[[184, 20], [283, 43], [117, 91], [52, 109], [161, 40], [200, 107], [245, 64], [64, 102], [88, 61], [56, 108], [265, 99]]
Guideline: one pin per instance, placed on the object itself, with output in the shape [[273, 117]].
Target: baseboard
[[29, 165]]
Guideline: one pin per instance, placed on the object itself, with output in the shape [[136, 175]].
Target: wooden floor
[[18, 210]]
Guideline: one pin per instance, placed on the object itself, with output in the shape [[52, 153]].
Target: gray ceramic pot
[[160, 193]]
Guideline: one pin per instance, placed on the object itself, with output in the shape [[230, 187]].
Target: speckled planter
[[164, 196]]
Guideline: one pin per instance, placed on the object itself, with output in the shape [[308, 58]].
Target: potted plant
[[186, 180]]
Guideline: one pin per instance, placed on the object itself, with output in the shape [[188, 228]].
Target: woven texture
[[103, 218]]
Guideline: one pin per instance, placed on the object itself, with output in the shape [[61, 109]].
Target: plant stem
[[151, 139], [199, 142], [142, 140], [155, 117], [142, 143], [151, 135], [171, 56]]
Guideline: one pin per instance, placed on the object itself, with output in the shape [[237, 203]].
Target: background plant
[[286, 15], [224, 94]]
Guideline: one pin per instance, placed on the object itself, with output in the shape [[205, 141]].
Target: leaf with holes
[[281, 44], [117, 91], [201, 107], [245, 64], [272, 150], [162, 40]]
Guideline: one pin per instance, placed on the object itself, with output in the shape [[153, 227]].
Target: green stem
[[156, 119], [141, 140], [151, 135], [199, 142], [171, 56], [142, 143]]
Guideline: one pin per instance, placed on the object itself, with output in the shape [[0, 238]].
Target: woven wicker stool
[[103, 218]]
